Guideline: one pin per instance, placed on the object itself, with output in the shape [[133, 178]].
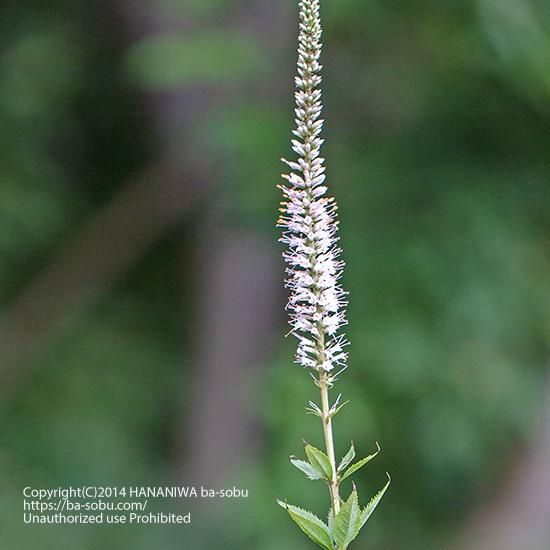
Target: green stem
[[329, 440]]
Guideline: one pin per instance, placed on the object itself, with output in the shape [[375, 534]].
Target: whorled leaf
[[358, 465], [320, 462], [348, 457], [310, 524], [370, 507], [305, 467], [347, 522]]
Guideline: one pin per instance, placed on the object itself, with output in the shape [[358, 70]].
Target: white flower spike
[[317, 301], [316, 304]]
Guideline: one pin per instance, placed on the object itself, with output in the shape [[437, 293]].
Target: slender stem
[[329, 440]]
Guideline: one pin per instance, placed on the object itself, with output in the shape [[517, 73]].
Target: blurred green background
[[142, 308]]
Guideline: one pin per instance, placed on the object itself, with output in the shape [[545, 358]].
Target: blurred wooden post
[[237, 301]]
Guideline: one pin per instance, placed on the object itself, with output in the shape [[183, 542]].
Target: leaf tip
[[282, 504]]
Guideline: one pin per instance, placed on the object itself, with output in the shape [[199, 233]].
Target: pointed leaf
[[369, 508], [310, 524], [358, 465], [335, 411], [319, 461], [350, 455], [347, 522], [305, 467]]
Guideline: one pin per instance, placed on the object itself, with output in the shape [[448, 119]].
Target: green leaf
[[310, 524], [305, 467], [369, 508], [350, 455], [347, 522], [358, 465], [319, 461]]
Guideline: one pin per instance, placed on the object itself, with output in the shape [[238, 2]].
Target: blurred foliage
[[438, 132], [211, 56]]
